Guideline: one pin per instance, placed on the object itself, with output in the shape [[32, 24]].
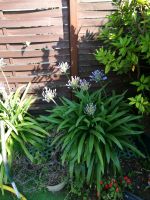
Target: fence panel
[[37, 35], [34, 38]]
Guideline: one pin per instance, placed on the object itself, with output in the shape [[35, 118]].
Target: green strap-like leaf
[[90, 170], [107, 151], [115, 140], [80, 147], [91, 143], [99, 154], [134, 149], [98, 135]]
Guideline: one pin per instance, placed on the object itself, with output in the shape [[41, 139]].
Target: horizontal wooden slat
[[36, 53], [26, 79], [89, 30], [32, 15], [45, 21], [96, 6], [31, 39], [62, 44], [39, 73], [37, 77], [92, 22], [93, 14], [30, 67], [24, 61], [89, 43], [58, 30], [29, 5]]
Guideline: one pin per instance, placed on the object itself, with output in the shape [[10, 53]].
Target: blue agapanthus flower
[[98, 75]]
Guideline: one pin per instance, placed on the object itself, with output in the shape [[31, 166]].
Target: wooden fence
[[37, 35]]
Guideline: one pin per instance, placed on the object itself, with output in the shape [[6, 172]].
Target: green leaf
[[62, 124], [107, 151], [98, 135], [99, 154], [90, 170], [80, 147], [91, 143], [134, 149], [79, 120], [115, 140], [115, 160]]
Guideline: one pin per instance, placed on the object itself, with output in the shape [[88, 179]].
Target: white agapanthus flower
[[49, 94], [90, 109], [84, 85], [63, 67], [74, 82], [2, 62]]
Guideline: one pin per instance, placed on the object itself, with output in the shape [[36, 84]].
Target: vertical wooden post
[[73, 25]]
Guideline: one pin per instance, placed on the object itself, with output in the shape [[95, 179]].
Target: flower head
[[110, 185], [74, 82], [101, 182], [90, 109], [127, 179], [49, 94], [84, 85], [98, 75], [106, 186], [63, 67], [2, 63]]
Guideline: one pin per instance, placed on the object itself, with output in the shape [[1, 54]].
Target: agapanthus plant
[[90, 128], [17, 127]]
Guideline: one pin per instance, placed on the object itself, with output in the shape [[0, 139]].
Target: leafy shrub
[[90, 130], [141, 100], [126, 42]]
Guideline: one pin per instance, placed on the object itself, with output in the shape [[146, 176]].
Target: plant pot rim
[[58, 187]]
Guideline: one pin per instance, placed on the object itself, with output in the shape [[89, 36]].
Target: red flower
[[128, 181], [117, 189], [101, 182], [106, 186], [125, 178], [110, 185]]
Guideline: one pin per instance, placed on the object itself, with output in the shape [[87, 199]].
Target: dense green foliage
[[126, 44]]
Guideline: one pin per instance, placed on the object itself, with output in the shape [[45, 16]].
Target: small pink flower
[[101, 182]]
